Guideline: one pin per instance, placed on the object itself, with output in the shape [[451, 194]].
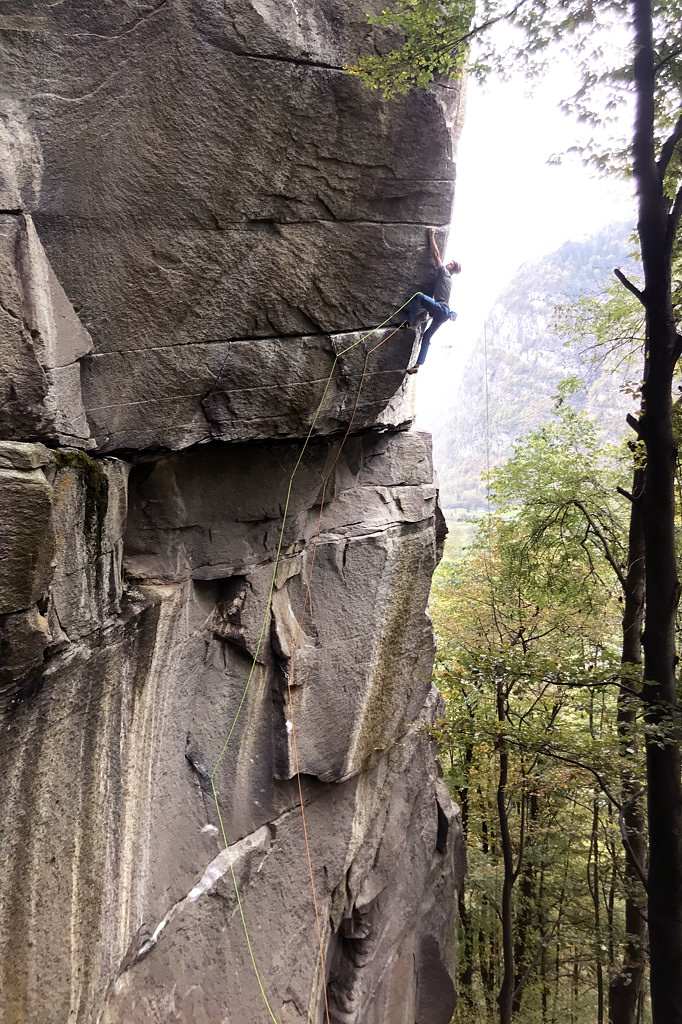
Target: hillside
[[526, 357]]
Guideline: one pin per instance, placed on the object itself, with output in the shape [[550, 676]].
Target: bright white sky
[[511, 206]]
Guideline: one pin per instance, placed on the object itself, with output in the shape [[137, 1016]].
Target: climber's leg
[[439, 314]]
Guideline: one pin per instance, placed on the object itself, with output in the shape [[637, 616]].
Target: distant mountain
[[526, 358]]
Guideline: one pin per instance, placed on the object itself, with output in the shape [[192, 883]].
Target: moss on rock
[[95, 481]]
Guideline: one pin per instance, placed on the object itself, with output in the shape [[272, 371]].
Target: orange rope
[[291, 667]]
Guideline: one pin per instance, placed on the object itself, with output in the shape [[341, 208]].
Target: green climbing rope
[[262, 634]]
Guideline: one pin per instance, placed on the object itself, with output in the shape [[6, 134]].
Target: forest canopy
[[530, 620]]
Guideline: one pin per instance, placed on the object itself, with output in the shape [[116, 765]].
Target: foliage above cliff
[[445, 37], [435, 42]]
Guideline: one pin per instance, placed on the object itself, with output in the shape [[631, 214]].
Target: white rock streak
[[219, 866]]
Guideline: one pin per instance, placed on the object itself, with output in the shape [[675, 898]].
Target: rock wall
[[201, 217]]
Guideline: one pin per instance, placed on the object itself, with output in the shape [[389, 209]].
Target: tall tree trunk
[[526, 932], [505, 998], [486, 936], [466, 954], [542, 926], [626, 985], [466, 949], [487, 968], [664, 792], [574, 989], [544, 997], [594, 882], [610, 915], [557, 976]]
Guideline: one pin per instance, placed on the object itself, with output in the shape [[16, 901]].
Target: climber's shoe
[[412, 369]]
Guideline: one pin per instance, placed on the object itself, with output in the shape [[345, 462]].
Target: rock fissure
[[124, 405], [194, 758], [83, 96], [55, 611], [274, 338], [300, 61]]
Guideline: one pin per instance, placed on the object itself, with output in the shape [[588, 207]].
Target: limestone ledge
[[176, 395], [254, 219], [249, 390]]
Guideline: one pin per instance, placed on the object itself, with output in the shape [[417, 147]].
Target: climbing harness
[[289, 675]]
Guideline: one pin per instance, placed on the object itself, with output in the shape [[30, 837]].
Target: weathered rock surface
[[364, 653], [62, 517], [41, 343], [26, 550], [248, 390], [209, 176], [129, 706], [205, 585], [387, 936]]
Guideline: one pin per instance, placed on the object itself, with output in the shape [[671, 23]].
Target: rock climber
[[437, 304]]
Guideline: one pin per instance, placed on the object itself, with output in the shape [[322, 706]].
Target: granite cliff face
[[200, 215]]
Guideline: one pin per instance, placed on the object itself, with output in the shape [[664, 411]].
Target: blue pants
[[438, 312]]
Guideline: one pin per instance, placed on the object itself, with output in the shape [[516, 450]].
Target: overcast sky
[[511, 206]]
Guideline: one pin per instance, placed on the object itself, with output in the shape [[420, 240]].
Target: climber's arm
[[434, 249]]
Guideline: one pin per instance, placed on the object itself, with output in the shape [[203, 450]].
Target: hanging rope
[[487, 436], [291, 667], [260, 641]]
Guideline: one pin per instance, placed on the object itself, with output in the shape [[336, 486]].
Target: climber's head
[[453, 267]]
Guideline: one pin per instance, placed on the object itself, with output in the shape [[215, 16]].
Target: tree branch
[[668, 148], [428, 50], [626, 494], [603, 541], [667, 59], [587, 768], [633, 859], [629, 285], [673, 221], [492, 21], [633, 422], [597, 684], [522, 838]]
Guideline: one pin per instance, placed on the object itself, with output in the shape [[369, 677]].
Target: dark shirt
[[442, 285]]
